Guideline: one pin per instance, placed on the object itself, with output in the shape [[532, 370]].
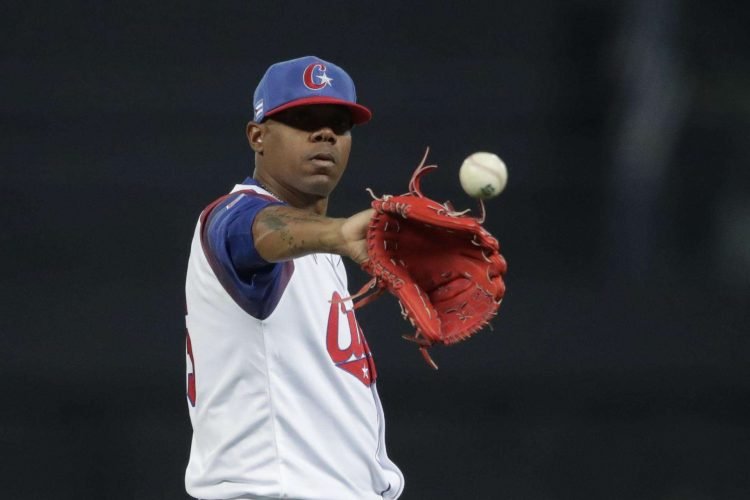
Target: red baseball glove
[[443, 266]]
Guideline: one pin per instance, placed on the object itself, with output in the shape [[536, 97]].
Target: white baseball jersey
[[281, 383]]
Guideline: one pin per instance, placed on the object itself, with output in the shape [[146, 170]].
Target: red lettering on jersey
[[355, 358], [191, 373]]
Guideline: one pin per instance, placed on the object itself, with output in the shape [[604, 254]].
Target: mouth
[[323, 159]]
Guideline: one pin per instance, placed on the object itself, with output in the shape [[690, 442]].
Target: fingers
[[362, 219], [355, 227], [354, 234]]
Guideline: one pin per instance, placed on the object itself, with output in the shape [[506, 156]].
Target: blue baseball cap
[[307, 80]]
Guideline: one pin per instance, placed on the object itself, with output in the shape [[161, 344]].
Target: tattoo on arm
[[279, 221]]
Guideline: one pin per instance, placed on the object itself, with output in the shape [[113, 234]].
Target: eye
[[300, 118], [342, 126], [341, 123]]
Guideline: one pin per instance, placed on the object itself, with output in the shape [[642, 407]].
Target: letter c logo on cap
[[310, 70]]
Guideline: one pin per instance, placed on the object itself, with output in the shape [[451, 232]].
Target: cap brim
[[360, 114]]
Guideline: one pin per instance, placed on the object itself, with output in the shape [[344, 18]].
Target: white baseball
[[483, 175]]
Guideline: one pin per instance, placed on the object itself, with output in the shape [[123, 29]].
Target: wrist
[[332, 237]]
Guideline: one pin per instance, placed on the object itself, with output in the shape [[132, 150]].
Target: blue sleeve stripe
[[255, 284]]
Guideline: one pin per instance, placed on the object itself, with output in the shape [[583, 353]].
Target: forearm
[[282, 233]]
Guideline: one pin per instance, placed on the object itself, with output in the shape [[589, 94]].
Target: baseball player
[[281, 384]]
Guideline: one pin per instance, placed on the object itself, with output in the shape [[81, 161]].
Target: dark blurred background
[[618, 366]]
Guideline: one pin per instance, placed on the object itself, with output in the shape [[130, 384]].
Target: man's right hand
[[354, 235]]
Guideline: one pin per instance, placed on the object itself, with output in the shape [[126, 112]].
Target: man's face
[[306, 148]]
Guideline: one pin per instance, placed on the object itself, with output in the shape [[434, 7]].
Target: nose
[[324, 134]]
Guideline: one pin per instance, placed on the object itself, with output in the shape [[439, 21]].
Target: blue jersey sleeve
[[255, 284]]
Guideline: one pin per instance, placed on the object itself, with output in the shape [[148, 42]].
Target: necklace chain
[[266, 188]]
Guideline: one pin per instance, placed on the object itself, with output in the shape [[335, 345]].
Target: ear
[[255, 132]]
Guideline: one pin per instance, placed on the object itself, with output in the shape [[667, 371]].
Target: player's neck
[[318, 206], [302, 201]]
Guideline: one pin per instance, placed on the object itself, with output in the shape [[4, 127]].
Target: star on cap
[[365, 372], [325, 79]]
